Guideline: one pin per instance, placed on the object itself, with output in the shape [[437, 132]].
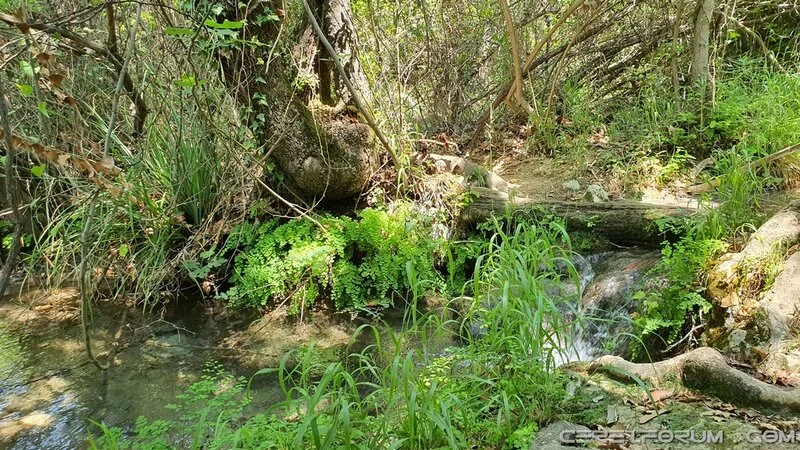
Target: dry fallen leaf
[[661, 394], [767, 426], [56, 79], [611, 415], [648, 417], [43, 58]]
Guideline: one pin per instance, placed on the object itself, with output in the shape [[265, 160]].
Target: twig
[[13, 252], [280, 198], [175, 327], [683, 339], [359, 101], [84, 285]]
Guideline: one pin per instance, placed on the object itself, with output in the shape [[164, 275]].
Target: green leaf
[[187, 81], [123, 250], [226, 25], [26, 68], [178, 31], [25, 89], [38, 171], [261, 19], [43, 109]]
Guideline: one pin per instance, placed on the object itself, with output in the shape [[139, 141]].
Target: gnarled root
[[707, 371]]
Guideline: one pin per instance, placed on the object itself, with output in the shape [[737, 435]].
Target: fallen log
[[621, 221], [707, 371]]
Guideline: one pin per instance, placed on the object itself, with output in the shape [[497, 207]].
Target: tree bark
[[335, 17], [334, 162], [341, 32], [701, 41], [623, 221]]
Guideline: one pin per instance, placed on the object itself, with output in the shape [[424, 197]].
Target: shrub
[[665, 310]]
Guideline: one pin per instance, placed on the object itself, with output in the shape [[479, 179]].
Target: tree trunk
[[700, 42], [334, 162], [341, 32], [336, 20], [623, 221]]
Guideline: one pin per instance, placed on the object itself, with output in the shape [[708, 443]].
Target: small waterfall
[[609, 282]]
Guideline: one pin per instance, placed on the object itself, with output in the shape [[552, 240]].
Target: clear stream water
[[48, 391]]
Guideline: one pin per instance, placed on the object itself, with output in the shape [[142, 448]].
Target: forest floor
[[540, 176]]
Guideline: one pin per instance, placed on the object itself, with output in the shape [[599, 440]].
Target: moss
[[758, 328], [583, 241]]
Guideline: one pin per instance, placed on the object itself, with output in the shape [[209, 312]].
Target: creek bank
[[618, 416]]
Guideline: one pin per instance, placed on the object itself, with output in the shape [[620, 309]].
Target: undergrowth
[[680, 300], [496, 391]]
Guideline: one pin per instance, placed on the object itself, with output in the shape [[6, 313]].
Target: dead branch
[[622, 221], [704, 187]]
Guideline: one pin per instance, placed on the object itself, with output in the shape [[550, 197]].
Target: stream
[[48, 389]]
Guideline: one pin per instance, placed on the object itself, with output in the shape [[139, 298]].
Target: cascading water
[[609, 282]]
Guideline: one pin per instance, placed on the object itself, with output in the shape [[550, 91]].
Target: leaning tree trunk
[[334, 162]]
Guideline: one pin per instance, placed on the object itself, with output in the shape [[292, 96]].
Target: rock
[[782, 302], [736, 341], [572, 186], [781, 231], [550, 437], [722, 283], [729, 284], [595, 194]]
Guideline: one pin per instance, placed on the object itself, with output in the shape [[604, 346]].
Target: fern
[[355, 263]]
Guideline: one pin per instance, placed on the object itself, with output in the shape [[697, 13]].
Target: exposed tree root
[[706, 370]]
